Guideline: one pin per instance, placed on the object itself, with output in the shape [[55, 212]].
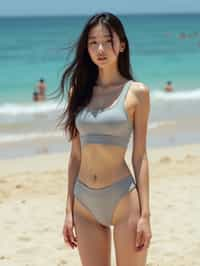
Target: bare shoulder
[[139, 89], [138, 97], [139, 93]]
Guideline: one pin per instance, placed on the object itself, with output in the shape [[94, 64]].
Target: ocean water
[[162, 48]]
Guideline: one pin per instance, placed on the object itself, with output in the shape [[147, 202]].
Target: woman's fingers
[[66, 235], [143, 234], [142, 240], [139, 239], [69, 237], [72, 237]]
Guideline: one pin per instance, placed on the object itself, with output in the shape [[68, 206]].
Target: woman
[[105, 105]]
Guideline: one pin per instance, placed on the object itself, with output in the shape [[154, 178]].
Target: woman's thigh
[[94, 240], [125, 219]]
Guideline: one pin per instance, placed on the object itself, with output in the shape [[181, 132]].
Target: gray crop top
[[109, 125]]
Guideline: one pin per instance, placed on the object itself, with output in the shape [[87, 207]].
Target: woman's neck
[[109, 78]]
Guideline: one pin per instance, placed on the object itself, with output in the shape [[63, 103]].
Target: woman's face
[[100, 46]]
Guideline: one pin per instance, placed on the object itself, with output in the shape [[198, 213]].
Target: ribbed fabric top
[[108, 125]]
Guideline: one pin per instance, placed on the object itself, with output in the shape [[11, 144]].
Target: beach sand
[[32, 205]]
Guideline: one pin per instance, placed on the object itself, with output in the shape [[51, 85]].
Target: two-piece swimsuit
[[107, 126]]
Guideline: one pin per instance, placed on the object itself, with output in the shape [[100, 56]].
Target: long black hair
[[82, 73]]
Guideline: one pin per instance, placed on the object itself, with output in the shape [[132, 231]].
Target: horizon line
[[89, 14]]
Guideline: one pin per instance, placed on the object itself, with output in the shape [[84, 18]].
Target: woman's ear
[[123, 46]]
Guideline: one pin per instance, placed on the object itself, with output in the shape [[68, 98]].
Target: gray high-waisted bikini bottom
[[101, 202]]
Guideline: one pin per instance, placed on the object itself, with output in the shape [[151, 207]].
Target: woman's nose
[[100, 47]]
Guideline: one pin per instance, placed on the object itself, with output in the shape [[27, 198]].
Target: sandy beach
[[32, 204]]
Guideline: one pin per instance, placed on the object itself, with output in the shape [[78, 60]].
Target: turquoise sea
[[162, 48]]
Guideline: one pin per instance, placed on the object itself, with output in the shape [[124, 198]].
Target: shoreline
[[58, 145]]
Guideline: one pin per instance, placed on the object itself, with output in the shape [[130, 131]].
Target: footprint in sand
[[46, 229], [3, 181], [190, 156], [24, 238], [18, 186], [165, 159], [62, 262], [28, 250], [42, 230]]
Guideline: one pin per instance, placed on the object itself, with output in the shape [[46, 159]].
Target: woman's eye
[[92, 42]]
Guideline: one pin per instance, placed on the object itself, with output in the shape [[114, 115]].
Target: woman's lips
[[101, 58]]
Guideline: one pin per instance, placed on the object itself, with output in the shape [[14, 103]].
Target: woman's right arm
[[72, 173], [73, 170], [73, 167]]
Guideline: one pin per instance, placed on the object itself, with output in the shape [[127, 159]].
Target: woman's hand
[[143, 234], [68, 233]]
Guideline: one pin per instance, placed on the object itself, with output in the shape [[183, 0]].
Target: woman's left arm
[[140, 160]]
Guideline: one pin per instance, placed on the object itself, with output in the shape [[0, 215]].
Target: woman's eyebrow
[[94, 37]]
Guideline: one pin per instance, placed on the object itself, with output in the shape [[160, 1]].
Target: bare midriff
[[102, 164]]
